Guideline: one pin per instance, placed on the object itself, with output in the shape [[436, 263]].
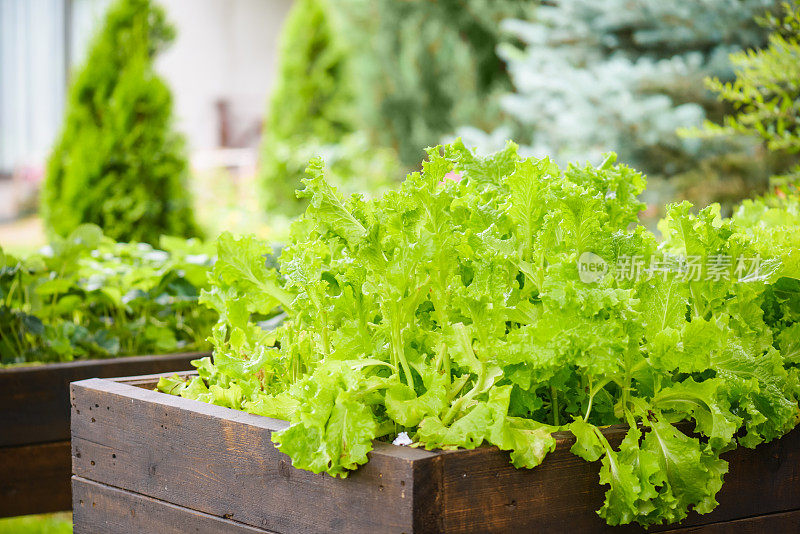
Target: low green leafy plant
[[86, 296], [500, 299]]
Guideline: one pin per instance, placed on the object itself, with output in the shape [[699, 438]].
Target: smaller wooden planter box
[[34, 426], [143, 461]]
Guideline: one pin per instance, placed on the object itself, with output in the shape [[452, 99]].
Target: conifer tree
[[311, 113], [625, 75], [427, 67], [118, 163]]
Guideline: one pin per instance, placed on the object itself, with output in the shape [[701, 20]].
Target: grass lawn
[[23, 236], [37, 524]]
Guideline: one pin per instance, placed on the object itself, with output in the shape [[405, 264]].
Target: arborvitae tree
[[400, 73], [313, 91], [624, 75], [311, 113], [118, 163]]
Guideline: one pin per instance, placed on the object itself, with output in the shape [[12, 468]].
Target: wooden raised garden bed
[[144, 461], [34, 426]]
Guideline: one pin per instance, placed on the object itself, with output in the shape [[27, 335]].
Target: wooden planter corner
[[145, 461], [34, 426]]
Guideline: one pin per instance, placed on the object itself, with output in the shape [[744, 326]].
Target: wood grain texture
[[780, 523], [35, 479], [124, 512], [35, 399], [222, 463], [483, 493], [129, 513]]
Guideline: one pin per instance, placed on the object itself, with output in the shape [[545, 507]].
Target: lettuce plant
[[496, 300]]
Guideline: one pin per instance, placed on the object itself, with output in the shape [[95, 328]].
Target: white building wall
[[225, 49], [32, 72]]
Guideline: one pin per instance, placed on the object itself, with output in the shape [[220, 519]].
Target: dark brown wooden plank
[[784, 522], [101, 509], [222, 462], [151, 381], [428, 495], [35, 479], [483, 493], [35, 399]]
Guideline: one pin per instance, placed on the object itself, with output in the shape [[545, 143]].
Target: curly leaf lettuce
[[455, 311]]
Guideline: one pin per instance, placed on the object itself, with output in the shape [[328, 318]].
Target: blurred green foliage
[[117, 162], [625, 75], [765, 95], [87, 296], [311, 112], [369, 84], [313, 88], [423, 68]]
